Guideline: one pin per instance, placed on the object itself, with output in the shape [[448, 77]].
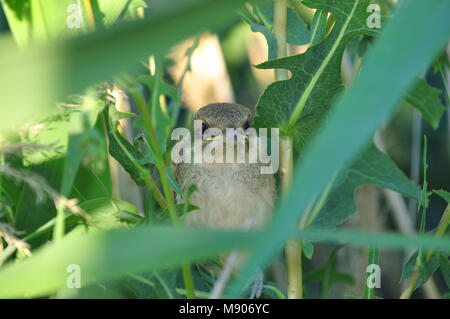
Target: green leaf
[[443, 194], [426, 99], [128, 158], [318, 27], [19, 20], [426, 268], [371, 167], [104, 255], [316, 76]]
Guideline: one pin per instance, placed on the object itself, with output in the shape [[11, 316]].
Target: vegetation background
[[91, 89]]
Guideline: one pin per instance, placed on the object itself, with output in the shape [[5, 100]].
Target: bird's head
[[223, 115]]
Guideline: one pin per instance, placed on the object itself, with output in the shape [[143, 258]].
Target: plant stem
[[279, 30], [189, 283], [293, 250], [442, 227]]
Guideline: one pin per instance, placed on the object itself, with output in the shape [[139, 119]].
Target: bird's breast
[[230, 196]]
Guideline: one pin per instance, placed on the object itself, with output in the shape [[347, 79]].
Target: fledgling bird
[[231, 196]]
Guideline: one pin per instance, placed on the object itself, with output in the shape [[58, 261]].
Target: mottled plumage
[[230, 195]]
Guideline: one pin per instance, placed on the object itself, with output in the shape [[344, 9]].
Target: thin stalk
[[442, 227], [58, 231], [279, 30], [293, 249], [187, 275]]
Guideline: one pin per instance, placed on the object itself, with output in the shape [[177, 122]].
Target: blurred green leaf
[[112, 254], [31, 213], [19, 20], [68, 65]]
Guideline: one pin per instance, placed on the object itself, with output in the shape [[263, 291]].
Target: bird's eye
[[204, 127], [246, 126]]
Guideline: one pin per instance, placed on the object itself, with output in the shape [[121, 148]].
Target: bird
[[230, 196]]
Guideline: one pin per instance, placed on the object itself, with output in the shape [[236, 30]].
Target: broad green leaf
[[353, 120], [426, 99], [371, 167], [81, 135], [316, 76], [68, 65]]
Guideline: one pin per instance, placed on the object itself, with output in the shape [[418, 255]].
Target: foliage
[[55, 178]]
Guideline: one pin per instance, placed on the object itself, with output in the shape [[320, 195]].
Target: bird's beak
[[227, 136]]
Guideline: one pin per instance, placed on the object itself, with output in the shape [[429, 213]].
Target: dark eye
[[204, 127], [246, 126]]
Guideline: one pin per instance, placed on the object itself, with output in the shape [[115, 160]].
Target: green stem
[[187, 275], [293, 250], [305, 13]]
